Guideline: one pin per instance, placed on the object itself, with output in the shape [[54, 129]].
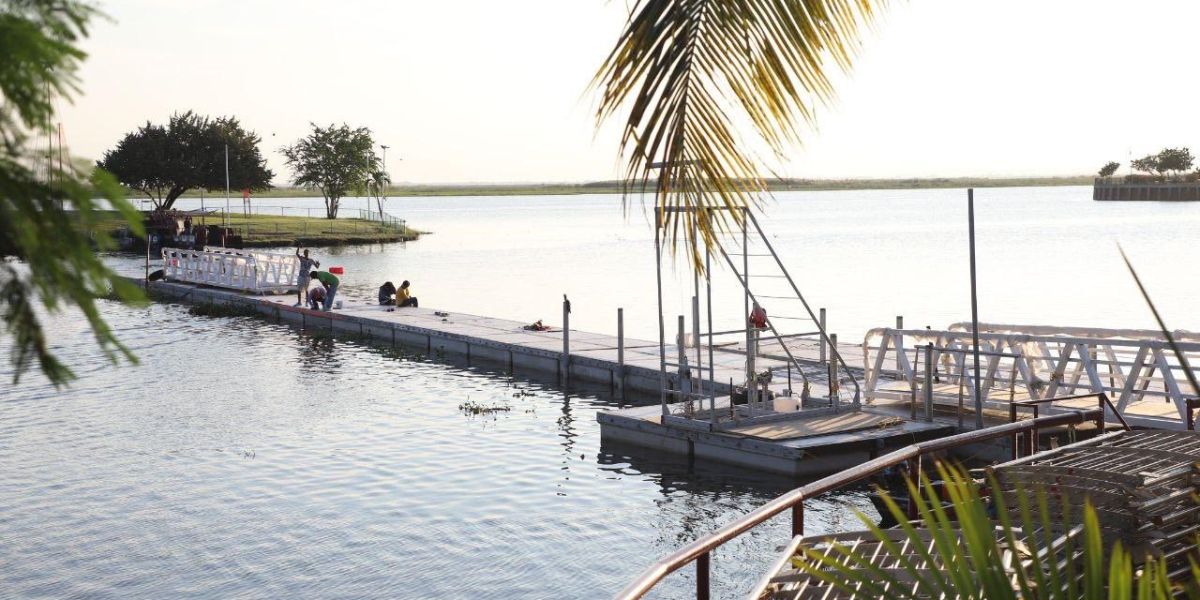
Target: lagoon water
[[248, 459]]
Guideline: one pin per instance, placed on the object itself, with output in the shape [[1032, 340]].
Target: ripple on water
[[246, 459]]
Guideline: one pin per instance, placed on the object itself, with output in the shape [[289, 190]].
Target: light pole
[[383, 183]]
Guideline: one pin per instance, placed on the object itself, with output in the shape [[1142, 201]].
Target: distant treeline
[[618, 187]]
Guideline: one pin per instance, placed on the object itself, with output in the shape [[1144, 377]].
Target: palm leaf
[[688, 70]]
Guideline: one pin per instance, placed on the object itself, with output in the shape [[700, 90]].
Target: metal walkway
[[1134, 367]]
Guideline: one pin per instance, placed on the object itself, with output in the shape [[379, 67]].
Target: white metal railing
[[258, 272], [1133, 367]]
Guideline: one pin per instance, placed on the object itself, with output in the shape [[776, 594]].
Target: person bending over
[[387, 294], [404, 296], [316, 296], [330, 282]]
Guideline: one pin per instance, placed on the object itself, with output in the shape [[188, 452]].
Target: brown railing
[[701, 550], [1030, 438]]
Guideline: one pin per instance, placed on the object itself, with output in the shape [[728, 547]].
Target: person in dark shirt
[[387, 294]]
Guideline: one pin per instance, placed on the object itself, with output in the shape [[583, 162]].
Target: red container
[[337, 270]]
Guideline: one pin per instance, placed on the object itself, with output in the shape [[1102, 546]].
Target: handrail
[[700, 550]]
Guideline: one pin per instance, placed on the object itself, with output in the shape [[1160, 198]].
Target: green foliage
[[1147, 164], [163, 162], [959, 551], [689, 70], [1175, 159], [333, 160], [46, 258], [1109, 168]]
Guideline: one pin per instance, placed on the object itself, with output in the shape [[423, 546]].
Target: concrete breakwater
[[1165, 192]]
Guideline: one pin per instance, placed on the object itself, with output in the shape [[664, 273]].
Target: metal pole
[[974, 306], [662, 333], [566, 352], [621, 352], [928, 382], [712, 383], [750, 349], [834, 384], [821, 326], [227, 185]]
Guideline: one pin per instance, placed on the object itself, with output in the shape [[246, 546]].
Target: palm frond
[[688, 70]]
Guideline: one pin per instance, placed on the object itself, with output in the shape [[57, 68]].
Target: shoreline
[[616, 187]]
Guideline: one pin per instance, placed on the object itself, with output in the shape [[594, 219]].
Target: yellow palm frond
[[687, 70]]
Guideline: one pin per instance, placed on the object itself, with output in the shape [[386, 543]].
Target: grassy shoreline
[[615, 187], [261, 231]]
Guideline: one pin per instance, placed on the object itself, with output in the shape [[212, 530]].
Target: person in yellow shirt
[[404, 296]]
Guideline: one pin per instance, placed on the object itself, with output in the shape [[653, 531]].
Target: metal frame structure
[[689, 392], [1022, 366], [257, 272], [700, 551]]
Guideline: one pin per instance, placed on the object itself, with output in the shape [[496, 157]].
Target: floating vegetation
[[223, 310], [475, 408]]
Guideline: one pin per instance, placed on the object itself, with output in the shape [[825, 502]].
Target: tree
[[1146, 164], [333, 160], [1175, 159], [163, 162], [380, 180], [689, 70], [1109, 168], [46, 256]]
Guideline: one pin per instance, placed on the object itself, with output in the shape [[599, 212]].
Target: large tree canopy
[[689, 70], [187, 153], [334, 160], [46, 257]]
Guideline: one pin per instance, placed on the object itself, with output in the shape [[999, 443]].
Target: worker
[[307, 265], [330, 283], [316, 296], [404, 296], [387, 294]]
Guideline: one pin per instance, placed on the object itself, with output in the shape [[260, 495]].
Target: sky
[[476, 91]]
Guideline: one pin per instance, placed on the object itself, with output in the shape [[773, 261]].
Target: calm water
[[249, 459], [1045, 256]]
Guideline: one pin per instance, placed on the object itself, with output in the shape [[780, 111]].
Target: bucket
[[339, 270]]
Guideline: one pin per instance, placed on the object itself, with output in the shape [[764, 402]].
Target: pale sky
[[496, 91]]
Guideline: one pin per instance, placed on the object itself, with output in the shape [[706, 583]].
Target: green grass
[[615, 187], [267, 230]]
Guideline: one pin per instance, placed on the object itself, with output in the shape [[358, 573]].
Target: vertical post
[[146, 281], [696, 330], [685, 372], [974, 306], [929, 382], [798, 518], [750, 349], [662, 332], [621, 353], [821, 326], [566, 351], [702, 584], [712, 383], [227, 185], [834, 360]]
